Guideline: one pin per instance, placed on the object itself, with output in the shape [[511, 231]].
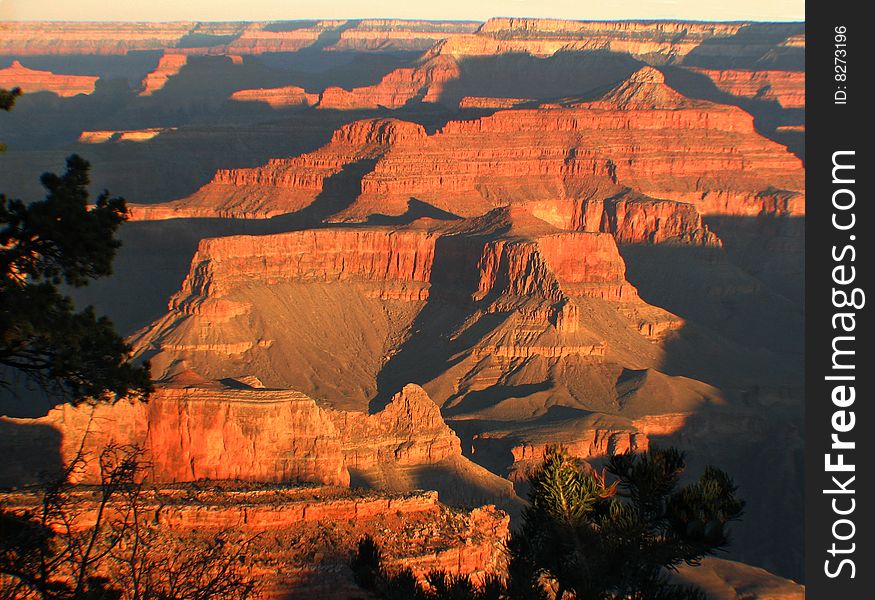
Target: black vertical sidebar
[[840, 338]]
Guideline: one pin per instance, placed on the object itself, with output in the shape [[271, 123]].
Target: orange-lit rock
[[192, 429], [41, 37], [663, 40], [644, 220], [190, 434], [424, 82], [286, 185], [387, 258], [376, 35], [122, 135], [168, 65], [408, 431], [31, 80], [488, 102], [301, 537], [642, 134], [787, 88], [281, 97]]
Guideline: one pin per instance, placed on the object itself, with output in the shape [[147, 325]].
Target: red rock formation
[[642, 135], [399, 87], [281, 97], [40, 37], [190, 434], [385, 257], [30, 80], [557, 296], [408, 431], [259, 39], [302, 537], [653, 40], [589, 444], [787, 88], [554, 267], [169, 65], [647, 40], [122, 135], [635, 220], [645, 89], [376, 35], [197, 430], [488, 102], [287, 185]]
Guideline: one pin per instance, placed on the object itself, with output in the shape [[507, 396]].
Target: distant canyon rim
[[379, 266]]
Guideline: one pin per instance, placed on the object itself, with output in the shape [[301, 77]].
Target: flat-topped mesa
[[651, 41], [398, 263], [261, 38], [634, 219], [787, 88], [189, 434], [408, 431], [169, 64], [31, 80], [492, 102], [381, 132], [280, 97], [534, 27], [192, 429]]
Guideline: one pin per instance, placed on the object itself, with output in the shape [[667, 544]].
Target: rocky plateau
[[379, 266]]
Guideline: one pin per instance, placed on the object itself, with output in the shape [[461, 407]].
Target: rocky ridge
[[642, 134], [191, 432], [33, 80]]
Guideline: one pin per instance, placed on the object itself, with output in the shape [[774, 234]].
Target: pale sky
[[475, 10]]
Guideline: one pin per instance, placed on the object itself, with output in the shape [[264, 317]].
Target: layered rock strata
[[291, 184], [787, 88], [169, 65], [32, 80], [301, 537], [642, 136], [281, 97], [204, 431]]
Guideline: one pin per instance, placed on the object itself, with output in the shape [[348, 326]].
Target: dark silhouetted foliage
[[7, 98], [370, 574], [603, 541], [44, 244], [584, 537], [112, 549]]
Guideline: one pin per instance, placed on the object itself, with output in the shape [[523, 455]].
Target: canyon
[[378, 267], [641, 134]]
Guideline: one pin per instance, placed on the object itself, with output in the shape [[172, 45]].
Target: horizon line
[[792, 20]]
